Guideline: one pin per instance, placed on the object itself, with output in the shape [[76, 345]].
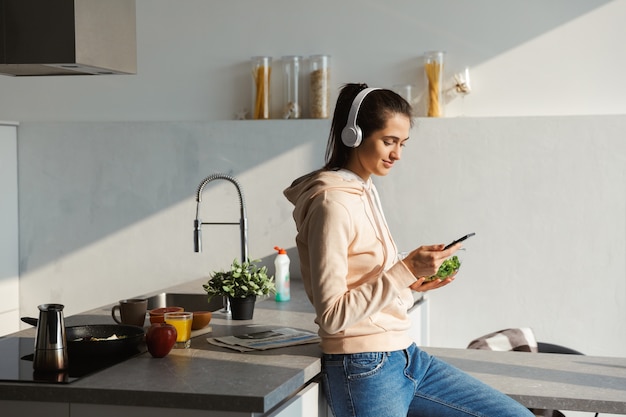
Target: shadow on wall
[[82, 182]]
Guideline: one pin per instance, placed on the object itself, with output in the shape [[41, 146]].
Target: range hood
[[67, 37]]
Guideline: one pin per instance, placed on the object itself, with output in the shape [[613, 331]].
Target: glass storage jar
[[261, 76], [433, 72], [407, 92], [291, 87], [319, 86]]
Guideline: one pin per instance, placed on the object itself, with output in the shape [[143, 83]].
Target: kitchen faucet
[[243, 221]]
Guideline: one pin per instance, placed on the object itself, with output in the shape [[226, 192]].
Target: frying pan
[[91, 339]]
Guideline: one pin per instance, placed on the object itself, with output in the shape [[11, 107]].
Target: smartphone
[[461, 239]]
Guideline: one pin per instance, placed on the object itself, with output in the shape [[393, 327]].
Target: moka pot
[[50, 341]]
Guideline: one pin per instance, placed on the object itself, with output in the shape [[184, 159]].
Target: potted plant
[[241, 284]]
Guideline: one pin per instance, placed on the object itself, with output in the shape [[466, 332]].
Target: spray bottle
[[281, 278]]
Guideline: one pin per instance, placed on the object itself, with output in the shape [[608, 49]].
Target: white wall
[[106, 212], [546, 197], [9, 270], [562, 57], [106, 208]]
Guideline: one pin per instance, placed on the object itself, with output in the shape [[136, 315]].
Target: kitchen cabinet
[[309, 402], [34, 408], [9, 275]]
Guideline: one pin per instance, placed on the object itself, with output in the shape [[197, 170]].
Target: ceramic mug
[[132, 311]]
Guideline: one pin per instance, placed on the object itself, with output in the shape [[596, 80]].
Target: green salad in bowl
[[449, 267]]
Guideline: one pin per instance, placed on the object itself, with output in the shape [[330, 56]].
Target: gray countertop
[[213, 378], [202, 377], [547, 380]]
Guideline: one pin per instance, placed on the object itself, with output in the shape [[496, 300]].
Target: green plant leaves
[[243, 279]]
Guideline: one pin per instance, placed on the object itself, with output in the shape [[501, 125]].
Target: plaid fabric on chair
[[520, 340]]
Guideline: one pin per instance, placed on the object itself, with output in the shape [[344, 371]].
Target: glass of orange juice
[[181, 320]]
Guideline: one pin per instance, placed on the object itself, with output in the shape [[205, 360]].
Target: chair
[[522, 340], [551, 348]]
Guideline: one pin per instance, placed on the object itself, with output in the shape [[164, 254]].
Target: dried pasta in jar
[[433, 68], [261, 75]]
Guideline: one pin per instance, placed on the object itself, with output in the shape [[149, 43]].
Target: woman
[[360, 291]]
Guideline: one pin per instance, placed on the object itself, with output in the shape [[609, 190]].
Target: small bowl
[[450, 266], [156, 314], [201, 319]]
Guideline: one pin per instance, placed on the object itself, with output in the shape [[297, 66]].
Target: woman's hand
[[421, 285], [425, 262]]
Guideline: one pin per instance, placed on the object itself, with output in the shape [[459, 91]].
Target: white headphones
[[351, 135]]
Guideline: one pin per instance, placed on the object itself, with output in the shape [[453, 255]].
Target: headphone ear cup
[[351, 136]]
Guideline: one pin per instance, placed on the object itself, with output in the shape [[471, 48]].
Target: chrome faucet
[[243, 221]]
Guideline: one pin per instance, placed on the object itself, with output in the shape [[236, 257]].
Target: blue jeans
[[408, 382]]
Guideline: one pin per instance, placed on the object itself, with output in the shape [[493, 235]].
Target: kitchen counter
[[229, 383], [204, 377], [546, 380]]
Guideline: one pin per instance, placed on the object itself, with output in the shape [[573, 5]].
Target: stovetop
[[16, 363]]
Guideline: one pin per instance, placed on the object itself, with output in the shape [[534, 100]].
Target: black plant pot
[[242, 308]]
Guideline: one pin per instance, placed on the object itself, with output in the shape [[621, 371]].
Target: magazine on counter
[[267, 339]]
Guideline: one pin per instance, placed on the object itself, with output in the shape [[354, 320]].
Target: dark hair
[[377, 107]]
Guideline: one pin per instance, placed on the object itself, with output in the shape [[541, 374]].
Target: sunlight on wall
[[550, 75]]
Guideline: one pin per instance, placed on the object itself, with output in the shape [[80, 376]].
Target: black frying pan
[[89, 340]]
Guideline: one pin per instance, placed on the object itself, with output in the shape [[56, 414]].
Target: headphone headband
[[351, 135]]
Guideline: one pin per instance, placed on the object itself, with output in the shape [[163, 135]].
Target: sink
[[189, 301]]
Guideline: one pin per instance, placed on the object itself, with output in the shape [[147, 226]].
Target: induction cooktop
[[16, 363]]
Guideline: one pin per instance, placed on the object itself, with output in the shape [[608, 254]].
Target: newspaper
[[268, 339]]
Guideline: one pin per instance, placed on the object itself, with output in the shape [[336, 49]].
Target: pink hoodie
[[348, 264]]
